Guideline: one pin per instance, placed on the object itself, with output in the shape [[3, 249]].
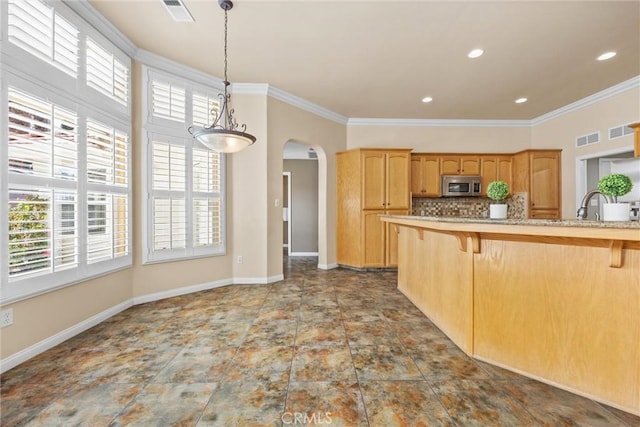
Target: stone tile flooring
[[339, 348]]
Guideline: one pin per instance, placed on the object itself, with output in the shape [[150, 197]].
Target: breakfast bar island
[[554, 300]]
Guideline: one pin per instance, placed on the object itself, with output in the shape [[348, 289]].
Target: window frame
[[175, 132], [24, 72]]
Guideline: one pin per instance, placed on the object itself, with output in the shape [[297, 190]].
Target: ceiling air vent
[[581, 141], [620, 131], [178, 10]]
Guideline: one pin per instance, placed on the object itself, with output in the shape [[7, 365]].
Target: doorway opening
[[590, 168], [301, 195]]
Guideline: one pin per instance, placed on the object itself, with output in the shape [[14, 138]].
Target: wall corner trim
[[328, 266]]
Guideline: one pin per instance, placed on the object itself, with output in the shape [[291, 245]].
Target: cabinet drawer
[[544, 214]]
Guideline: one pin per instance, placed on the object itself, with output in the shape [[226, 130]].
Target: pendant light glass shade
[[223, 140], [223, 135]]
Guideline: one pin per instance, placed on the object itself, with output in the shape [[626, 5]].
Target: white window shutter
[[106, 74], [205, 109], [36, 28], [168, 101]]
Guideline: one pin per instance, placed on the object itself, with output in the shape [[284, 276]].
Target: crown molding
[[633, 83], [439, 122], [303, 104], [161, 63], [250, 88], [86, 11], [286, 97]]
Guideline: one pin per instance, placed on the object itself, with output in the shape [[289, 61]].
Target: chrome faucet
[[582, 212]]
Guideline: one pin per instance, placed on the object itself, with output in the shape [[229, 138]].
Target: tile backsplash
[[467, 207]]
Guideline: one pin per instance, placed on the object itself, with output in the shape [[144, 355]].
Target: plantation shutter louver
[[168, 101], [206, 198], [106, 74], [36, 28], [42, 138], [205, 108], [185, 207], [169, 185]]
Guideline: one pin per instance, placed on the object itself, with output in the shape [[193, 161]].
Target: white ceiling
[[378, 59]]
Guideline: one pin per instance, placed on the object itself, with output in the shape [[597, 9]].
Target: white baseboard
[[303, 254], [44, 345], [276, 278], [181, 291], [327, 266], [257, 280], [50, 342]]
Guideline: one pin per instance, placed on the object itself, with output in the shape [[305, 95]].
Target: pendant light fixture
[[223, 135]]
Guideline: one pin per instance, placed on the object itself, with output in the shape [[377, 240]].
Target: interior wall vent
[[178, 10], [620, 131], [312, 153], [592, 138]]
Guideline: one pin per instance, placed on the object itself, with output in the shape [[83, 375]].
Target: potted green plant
[[498, 192], [615, 185]]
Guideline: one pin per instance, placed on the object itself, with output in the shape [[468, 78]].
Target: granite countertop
[[539, 222]]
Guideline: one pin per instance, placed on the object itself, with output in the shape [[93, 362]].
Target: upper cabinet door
[[450, 165], [545, 180], [469, 165], [374, 180], [398, 175], [460, 165]]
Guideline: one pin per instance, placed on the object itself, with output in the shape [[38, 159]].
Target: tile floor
[[339, 348]]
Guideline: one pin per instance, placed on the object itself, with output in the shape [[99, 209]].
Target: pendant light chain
[[224, 135], [226, 20]]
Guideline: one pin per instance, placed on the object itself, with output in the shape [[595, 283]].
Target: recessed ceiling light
[[521, 100], [427, 99], [475, 53], [606, 55]]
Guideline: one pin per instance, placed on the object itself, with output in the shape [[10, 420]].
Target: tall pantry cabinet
[[370, 182], [538, 173]]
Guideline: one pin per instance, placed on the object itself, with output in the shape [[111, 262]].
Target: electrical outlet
[[6, 317], [240, 260]]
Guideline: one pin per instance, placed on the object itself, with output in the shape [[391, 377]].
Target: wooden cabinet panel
[[538, 173], [494, 168], [391, 240], [425, 175], [505, 169], [373, 180], [470, 165], [373, 242], [460, 165], [369, 183], [416, 186], [636, 138], [397, 176], [449, 165], [545, 181]]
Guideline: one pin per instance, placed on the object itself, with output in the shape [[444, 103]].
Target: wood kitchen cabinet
[[370, 182], [538, 173], [425, 175], [459, 165], [636, 140], [495, 168]]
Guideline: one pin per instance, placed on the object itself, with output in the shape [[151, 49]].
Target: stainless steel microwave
[[461, 185]]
